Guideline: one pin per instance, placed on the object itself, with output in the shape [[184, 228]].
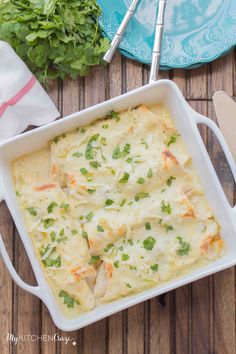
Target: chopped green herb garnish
[[84, 234], [132, 267], [170, 180], [128, 285], [140, 180], [89, 216], [163, 190], [53, 235], [129, 160], [108, 247], [18, 194], [141, 195], [125, 257], [109, 202], [113, 115], [48, 223], [77, 154], [150, 173], [69, 301], [51, 206], [64, 206], [83, 130], [84, 171], [124, 178], [184, 247], [168, 228], [74, 232], [94, 164], [116, 264], [118, 153], [154, 267], [144, 142], [149, 243], [32, 211], [95, 259], [122, 203], [91, 191], [62, 232], [121, 248], [130, 242], [105, 126], [165, 207], [148, 226], [91, 151], [100, 228], [50, 262], [172, 139]]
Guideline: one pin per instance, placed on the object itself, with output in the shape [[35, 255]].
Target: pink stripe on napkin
[[18, 96]]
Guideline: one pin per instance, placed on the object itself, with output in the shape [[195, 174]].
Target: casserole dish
[[186, 120]]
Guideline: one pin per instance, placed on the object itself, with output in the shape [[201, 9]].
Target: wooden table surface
[[198, 318]]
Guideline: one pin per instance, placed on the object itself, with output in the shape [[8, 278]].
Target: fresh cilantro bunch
[[55, 38]]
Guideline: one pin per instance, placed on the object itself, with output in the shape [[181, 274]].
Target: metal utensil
[[156, 52], [120, 32], [225, 108]]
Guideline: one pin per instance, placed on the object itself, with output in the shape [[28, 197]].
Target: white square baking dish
[[186, 120]]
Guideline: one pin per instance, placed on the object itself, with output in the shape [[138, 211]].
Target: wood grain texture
[[195, 319]]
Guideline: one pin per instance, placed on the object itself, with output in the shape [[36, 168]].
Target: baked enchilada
[[114, 208]]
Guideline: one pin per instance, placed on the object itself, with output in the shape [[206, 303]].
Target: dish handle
[[212, 125], [35, 290]]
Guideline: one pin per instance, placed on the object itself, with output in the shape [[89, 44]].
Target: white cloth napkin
[[23, 101]]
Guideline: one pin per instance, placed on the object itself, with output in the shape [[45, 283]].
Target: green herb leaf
[[74, 232], [149, 243], [100, 228], [125, 257], [172, 139], [148, 226], [32, 211], [53, 235], [113, 115], [91, 151], [69, 301], [109, 202], [118, 153], [77, 154], [108, 247], [184, 247], [122, 203], [95, 259], [141, 195], [18, 194], [89, 216], [150, 173], [140, 180], [170, 180], [48, 223], [94, 164], [124, 178], [165, 207], [154, 267], [116, 264], [51, 206], [84, 234], [50, 262]]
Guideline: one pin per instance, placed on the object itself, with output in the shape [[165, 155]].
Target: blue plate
[[196, 31]]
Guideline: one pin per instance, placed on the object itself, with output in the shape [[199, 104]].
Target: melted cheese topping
[[114, 208]]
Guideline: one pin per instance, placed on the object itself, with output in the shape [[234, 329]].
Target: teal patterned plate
[[196, 31]]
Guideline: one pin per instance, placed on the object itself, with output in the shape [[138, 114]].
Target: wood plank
[[95, 335], [197, 83], [179, 77], [161, 326], [6, 285], [222, 75]]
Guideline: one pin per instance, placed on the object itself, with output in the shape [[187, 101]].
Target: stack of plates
[[196, 31]]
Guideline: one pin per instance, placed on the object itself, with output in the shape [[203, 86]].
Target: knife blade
[[225, 108]]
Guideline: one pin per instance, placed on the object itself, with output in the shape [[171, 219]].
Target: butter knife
[[225, 108]]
